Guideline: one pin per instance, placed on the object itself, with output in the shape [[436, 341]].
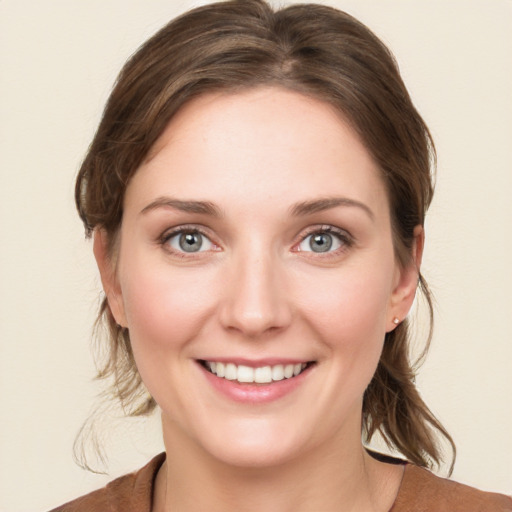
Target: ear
[[109, 280], [406, 282]]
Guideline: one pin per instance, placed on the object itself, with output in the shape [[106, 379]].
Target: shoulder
[[422, 491], [132, 492]]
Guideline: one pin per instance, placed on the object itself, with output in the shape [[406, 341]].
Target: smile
[[259, 375]]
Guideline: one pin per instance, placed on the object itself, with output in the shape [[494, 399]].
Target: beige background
[[58, 60]]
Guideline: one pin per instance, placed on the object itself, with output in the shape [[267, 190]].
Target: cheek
[[349, 301], [164, 305], [165, 308], [349, 311]]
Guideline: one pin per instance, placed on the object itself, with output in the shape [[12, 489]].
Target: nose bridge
[[255, 301]]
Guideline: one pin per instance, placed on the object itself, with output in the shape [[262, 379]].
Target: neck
[[340, 476]]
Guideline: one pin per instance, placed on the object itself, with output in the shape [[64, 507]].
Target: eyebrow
[[319, 205], [299, 209], [201, 207]]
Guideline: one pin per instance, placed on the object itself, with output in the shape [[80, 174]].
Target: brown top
[[420, 491]]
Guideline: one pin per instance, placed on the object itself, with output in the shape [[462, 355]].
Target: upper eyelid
[[176, 230], [317, 228], [324, 228], [170, 233]]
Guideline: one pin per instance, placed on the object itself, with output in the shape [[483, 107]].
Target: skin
[[259, 289]]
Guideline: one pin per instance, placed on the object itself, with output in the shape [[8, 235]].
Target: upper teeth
[[260, 375]]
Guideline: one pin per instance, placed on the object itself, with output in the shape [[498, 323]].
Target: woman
[[256, 192]]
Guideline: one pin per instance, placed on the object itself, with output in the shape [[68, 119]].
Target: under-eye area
[[256, 375]]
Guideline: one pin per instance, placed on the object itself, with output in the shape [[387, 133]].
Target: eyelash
[[345, 239], [180, 230]]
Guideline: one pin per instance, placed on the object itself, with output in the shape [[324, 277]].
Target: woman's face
[[257, 277]]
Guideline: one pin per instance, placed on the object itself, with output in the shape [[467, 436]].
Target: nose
[[255, 297]]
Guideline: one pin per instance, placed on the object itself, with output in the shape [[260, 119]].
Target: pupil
[[321, 242], [191, 242]]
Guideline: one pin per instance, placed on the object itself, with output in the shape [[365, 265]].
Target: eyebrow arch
[[319, 205], [201, 207]]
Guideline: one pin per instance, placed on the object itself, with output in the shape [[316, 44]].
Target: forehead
[[258, 144]]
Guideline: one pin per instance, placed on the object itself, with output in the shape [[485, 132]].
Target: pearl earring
[[396, 321]]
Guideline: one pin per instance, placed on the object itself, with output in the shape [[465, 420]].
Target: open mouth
[[259, 375]]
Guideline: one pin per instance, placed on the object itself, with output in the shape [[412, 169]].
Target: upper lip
[[256, 363]]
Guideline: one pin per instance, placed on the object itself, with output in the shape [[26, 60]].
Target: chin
[[255, 455], [251, 443]]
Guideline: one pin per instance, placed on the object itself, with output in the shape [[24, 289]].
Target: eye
[[188, 241], [324, 240]]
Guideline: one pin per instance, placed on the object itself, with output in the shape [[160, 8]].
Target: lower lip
[[255, 393]]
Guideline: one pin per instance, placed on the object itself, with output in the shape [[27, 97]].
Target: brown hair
[[313, 49]]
